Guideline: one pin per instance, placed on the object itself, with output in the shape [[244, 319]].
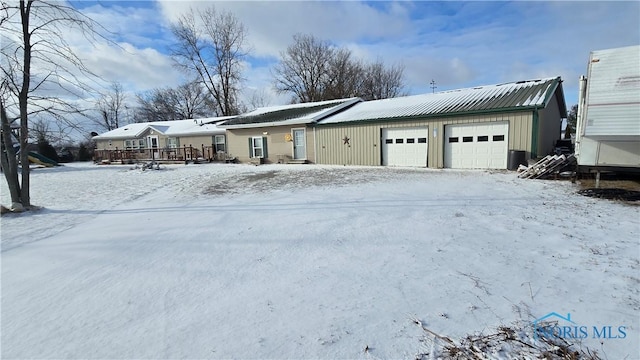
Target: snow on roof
[[187, 127], [289, 114], [521, 94]]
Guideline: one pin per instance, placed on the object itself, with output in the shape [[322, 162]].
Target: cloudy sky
[[456, 44]]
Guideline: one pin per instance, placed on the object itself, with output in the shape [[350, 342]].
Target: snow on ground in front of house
[[221, 261]]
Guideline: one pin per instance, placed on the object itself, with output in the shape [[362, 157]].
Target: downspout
[[315, 146], [582, 86]]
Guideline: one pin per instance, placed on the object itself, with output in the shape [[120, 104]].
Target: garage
[[404, 146], [476, 146]]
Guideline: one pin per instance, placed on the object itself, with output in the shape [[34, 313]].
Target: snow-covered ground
[[237, 261]]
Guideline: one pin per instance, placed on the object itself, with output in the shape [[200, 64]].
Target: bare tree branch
[[213, 51], [41, 70], [313, 70]]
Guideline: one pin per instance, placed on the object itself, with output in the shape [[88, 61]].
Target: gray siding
[[549, 127]]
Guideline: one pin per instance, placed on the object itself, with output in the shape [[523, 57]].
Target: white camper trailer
[[608, 124]]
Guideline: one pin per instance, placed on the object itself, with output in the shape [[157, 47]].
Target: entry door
[[152, 143], [299, 147]]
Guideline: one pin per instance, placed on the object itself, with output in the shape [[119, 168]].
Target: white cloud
[[271, 25], [135, 68]]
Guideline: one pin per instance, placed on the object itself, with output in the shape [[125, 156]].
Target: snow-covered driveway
[[221, 261]]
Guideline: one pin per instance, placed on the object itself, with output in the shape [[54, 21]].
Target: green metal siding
[[364, 146]]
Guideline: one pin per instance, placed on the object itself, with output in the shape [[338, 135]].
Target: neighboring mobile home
[[465, 128], [280, 134], [164, 140], [608, 125]]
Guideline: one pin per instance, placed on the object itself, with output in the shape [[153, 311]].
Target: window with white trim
[[219, 143], [257, 147], [172, 142], [134, 144]]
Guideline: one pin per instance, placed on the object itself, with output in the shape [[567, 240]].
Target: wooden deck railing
[[185, 153]]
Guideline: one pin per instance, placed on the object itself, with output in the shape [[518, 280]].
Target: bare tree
[[303, 69], [191, 101], [257, 99], [211, 47], [346, 76], [380, 82], [187, 101], [313, 70], [111, 107], [8, 158], [154, 105], [40, 71]]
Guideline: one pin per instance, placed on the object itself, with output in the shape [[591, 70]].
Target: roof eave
[[438, 115], [265, 124]]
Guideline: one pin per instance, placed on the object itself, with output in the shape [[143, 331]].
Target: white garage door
[[476, 146], [404, 146]]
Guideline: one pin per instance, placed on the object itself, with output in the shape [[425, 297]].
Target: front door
[[152, 143], [299, 147]]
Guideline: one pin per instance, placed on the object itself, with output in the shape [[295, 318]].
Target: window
[[411, 141], [388, 141], [467, 139], [134, 144], [498, 137], [172, 142], [453, 139], [399, 141], [422, 140], [219, 143], [483, 138], [257, 147]]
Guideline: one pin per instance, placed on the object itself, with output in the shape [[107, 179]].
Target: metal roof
[[519, 95], [289, 114], [206, 126]]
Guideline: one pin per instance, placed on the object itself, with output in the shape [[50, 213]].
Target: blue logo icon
[[554, 325]]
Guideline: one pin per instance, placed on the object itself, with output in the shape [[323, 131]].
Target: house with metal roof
[[280, 134], [178, 140], [466, 128]]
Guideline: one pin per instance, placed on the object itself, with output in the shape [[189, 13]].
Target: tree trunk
[[25, 196], [8, 158]]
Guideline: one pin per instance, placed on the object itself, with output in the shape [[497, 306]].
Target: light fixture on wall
[[265, 133]]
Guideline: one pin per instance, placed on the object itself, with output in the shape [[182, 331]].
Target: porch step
[[291, 161]]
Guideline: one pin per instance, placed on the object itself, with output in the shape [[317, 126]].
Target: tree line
[[210, 49]]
